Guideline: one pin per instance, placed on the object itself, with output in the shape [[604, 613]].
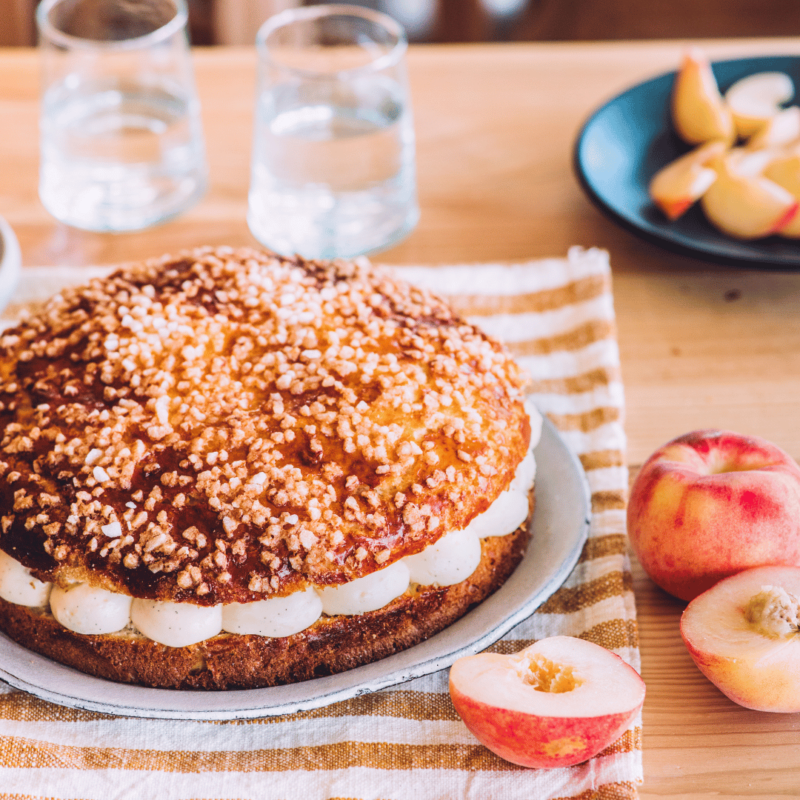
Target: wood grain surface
[[701, 345]]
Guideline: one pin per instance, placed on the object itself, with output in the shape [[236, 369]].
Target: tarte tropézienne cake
[[229, 469]]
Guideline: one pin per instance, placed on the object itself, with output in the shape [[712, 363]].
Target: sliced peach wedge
[[750, 163], [685, 180], [699, 113], [781, 129], [755, 99], [744, 636], [785, 171], [745, 205]]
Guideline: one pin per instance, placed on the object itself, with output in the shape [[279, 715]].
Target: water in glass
[[118, 156], [333, 169]]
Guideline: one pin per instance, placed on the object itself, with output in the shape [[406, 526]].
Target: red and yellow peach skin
[[713, 503]]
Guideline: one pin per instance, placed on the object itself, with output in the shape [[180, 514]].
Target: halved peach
[[699, 112], [682, 182], [744, 636], [755, 99], [554, 704]]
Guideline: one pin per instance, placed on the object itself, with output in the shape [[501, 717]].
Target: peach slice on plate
[[746, 206], [743, 635], [699, 112], [781, 129], [749, 163], [757, 98], [685, 180], [554, 704], [785, 171]]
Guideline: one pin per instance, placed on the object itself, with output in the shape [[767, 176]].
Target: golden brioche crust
[[230, 661], [226, 425]]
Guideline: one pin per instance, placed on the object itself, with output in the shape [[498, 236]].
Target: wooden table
[[701, 345]]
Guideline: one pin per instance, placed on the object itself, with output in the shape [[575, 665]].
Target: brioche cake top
[[230, 425]]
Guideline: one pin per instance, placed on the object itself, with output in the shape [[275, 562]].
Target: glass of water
[[121, 137], [333, 171]]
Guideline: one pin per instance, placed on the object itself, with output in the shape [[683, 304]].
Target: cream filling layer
[[448, 561]]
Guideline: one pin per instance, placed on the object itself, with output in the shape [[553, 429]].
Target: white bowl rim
[[10, 262]]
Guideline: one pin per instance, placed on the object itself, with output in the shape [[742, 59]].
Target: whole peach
[[713, 503]]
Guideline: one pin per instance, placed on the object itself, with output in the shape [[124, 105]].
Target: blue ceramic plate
[[630, 138]]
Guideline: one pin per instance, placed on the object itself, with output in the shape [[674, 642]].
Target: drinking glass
[[121, 138], [333, 170]]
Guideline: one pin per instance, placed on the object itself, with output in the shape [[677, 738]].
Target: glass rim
[[310, 13], [49, 32]]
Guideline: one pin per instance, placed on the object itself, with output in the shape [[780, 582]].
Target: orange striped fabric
[[557, 316]]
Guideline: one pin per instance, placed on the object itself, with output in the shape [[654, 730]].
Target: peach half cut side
[[746, 206], [743, 635], [755, 99], [678, 185], [699, 113], [554, 704]]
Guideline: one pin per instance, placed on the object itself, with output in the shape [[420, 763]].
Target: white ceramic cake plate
[[560, 526]]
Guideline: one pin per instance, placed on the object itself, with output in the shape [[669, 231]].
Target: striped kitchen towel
[[557, 317]]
